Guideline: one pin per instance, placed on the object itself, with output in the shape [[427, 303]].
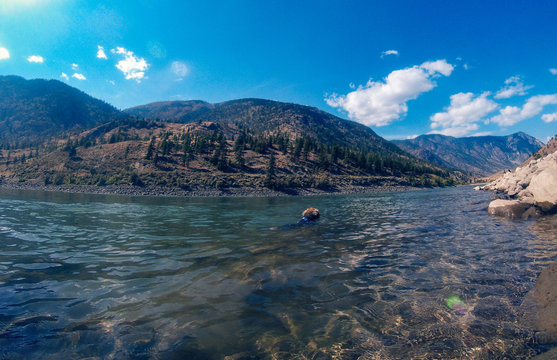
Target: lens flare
[[454, 303]]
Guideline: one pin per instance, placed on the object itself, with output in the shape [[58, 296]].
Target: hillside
[[241, 144], [547, 149], [33, 110], [271, 118], [480, 156]]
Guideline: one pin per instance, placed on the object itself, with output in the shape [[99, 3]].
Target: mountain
[[267, 117], [481, 155], [547, 149], [242, 144], [32, 110]]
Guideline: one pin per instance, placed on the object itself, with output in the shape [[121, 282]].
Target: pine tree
[[150, 149], [239, 158], [270, 174]]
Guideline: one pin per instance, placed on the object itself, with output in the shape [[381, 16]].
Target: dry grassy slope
[[115, 163], [549, 148], [267, 117]]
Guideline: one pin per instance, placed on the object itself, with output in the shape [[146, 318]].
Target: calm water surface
[[91, 276]]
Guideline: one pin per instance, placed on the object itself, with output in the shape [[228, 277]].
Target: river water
[[415, 274]]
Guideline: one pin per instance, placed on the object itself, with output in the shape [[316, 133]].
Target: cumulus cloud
[[35, 59], [553, 71], [462, 115], [132, 66], [64, 76], [79, 76], [513, 86], [511, 115], [549, 117], [389, 52], [379, 103], [75, 66], [179, 69], [100, 53], [4, 53]]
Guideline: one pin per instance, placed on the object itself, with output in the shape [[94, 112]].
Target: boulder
[[533, 183], [543, 188], [509, 208]]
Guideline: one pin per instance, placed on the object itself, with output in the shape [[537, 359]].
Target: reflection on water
[[208, 278]]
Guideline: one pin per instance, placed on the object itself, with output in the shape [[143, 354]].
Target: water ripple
[[115, 277]]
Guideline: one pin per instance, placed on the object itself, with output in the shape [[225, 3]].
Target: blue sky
[[404, 68]]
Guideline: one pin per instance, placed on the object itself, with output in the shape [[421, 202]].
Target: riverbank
[[129, 190]]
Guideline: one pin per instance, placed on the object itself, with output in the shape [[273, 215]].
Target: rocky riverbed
[[129, 190]]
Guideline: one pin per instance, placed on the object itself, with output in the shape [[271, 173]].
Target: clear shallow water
[[205, 278]]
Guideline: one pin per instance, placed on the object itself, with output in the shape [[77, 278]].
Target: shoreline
[[129, 190]]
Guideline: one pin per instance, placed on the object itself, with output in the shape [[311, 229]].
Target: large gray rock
[[511, 208], [540, 306], [534, 183], [543, 188]]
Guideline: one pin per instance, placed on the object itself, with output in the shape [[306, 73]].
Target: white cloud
[[79, 76], [179, 69], [439, 66], [64, 76], [389, 52], [462, 115], [75, 66], [379, 103], [549, 117], [132, 66], [410, 137], [513, 86], [100, 53], [111, 82], [511, 115], [35, 59], [553, 71], [4, 53]]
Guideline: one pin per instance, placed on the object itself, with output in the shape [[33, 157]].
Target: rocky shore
[[528, 191], [129, 190]]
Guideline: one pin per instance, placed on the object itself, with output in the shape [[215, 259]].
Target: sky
[[404, 68]]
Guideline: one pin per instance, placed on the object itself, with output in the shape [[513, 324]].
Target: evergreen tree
[[150, 149], [239, 157], [270, 174]]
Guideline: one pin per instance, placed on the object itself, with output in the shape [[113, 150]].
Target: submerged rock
[[540, 306]]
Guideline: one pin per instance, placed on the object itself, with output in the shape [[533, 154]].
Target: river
[[413, 274]]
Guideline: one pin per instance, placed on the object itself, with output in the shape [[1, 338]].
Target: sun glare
[[13, 5]]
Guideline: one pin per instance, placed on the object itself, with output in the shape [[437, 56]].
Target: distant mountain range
[[53, 133], [481, 155]]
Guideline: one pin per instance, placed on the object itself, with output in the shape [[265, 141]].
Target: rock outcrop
[[531, 188]]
